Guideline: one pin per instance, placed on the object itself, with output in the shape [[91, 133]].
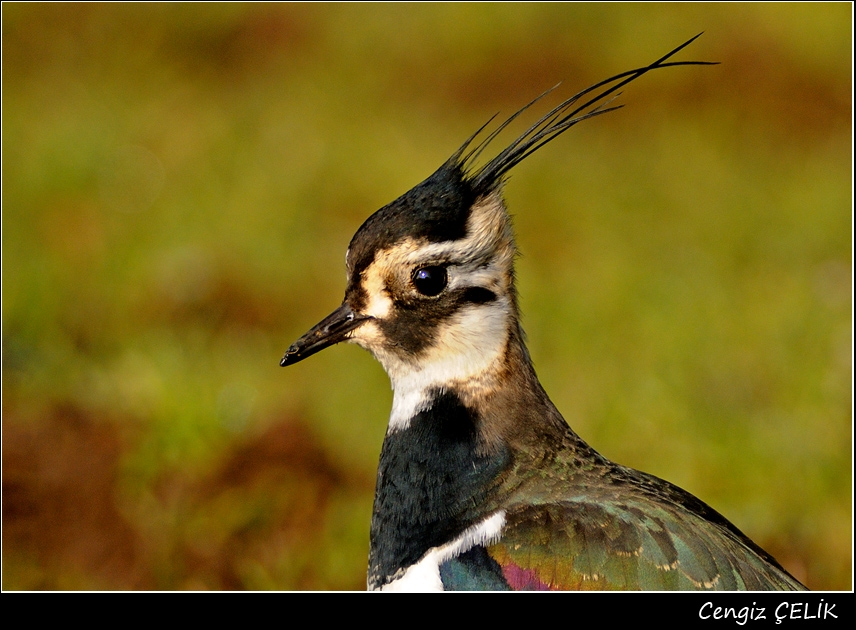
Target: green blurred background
[[180, 183]]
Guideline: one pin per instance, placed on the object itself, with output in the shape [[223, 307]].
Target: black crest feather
[[592, 101], [437, 209]]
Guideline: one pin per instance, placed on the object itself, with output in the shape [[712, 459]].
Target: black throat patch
[[430, 478]]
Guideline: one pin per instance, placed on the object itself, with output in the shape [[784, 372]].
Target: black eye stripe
[[477, 295], [432, 280]]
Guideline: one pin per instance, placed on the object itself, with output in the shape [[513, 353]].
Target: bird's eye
[[431, 280]]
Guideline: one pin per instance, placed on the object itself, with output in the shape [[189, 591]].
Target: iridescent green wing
[[632, 544]]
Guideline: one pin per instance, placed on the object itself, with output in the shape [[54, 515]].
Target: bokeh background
[[180, 183]]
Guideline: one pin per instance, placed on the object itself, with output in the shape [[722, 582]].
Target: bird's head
[[430, 279], [431, 275]]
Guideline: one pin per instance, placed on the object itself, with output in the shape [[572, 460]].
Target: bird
[[481, 483]]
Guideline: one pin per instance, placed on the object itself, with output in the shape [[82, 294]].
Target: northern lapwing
[[481, 482]]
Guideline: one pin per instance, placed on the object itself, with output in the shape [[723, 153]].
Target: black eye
[[430, 280]]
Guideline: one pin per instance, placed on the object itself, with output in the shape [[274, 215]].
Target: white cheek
[[468, 346], [469, 343]]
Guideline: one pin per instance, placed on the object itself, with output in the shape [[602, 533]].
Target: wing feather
[[580, 545]]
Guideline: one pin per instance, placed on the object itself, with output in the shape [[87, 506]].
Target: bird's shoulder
[[625, 530]]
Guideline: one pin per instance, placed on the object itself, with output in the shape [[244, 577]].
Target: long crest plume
[[592, 101]]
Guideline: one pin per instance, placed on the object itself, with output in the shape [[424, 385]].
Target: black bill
[[330, 330]]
